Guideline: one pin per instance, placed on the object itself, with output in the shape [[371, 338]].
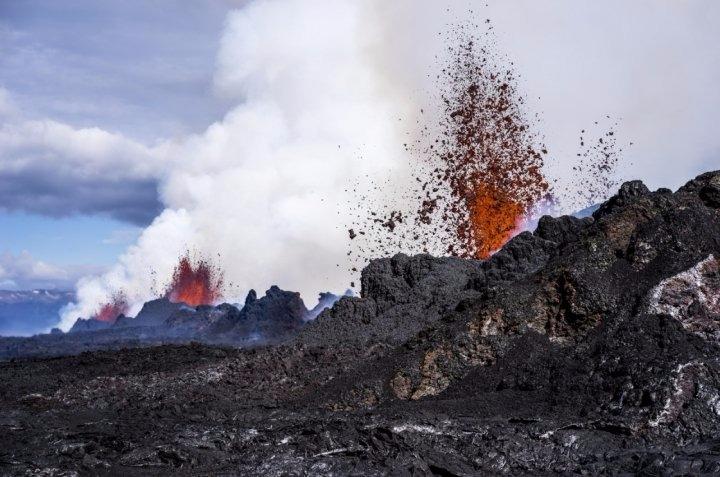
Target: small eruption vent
[[487, 157]]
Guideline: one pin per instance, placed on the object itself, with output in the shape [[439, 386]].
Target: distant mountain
[[586, 212], [24, 313]]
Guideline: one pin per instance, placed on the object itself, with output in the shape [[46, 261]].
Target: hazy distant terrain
[[24, 313]]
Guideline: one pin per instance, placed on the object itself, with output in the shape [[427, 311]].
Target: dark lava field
[[589, 346]]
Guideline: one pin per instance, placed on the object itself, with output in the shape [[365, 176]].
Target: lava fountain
[[477, 167], [490, 161], [195, 282], [109, 312]]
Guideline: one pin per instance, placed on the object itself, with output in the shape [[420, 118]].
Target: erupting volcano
[[194, 284], [109, 312], [493, 219]]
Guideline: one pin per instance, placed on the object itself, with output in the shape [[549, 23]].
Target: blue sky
[[139, 69], [66, 241]]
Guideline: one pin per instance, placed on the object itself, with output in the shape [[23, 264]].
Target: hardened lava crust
[[587, 346]]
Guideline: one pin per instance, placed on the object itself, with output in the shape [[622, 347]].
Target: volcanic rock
[[275, 315], [154, 313], [587, 347], [251, 297], [89, 324]]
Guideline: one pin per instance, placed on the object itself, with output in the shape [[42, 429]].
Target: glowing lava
[[195, 283], [109, 312], [478, 166], [494, 219], [488, 161]]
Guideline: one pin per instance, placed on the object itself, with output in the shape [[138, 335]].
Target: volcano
[[591, 345], [478, 168]]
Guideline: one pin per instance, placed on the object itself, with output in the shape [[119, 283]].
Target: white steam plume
[[322, 86], [265, 187]]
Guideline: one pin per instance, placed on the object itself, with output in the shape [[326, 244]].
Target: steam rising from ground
[[328, 92], [265, 187]]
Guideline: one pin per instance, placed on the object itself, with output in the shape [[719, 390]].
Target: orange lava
[[195, 283], [494, 219], [109, 312], [489, 159]]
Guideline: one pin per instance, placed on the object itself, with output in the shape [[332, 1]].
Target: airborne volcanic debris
[[478, 175], [195, 282]]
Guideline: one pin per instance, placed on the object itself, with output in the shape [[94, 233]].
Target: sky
[[136, 68], [133, 130]]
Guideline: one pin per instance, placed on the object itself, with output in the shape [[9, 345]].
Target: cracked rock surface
[[589, 346]]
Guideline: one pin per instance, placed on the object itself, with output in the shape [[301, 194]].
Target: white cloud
[[51, 168], [22, 271]]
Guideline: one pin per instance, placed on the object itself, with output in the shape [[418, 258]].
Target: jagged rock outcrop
[[400, 296], [153, 313], [588, 346], [278, 314], [275, 317], [88, 324]]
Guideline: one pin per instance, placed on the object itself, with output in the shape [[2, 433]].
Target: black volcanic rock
[[201, 320], [123, 321], [89, 324], [591, 346], [400, 296], [561, 230], [277, 314], [251, 297], [153, 313], [227, 318]]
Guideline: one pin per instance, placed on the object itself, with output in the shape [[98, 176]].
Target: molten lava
[[493, 220], [195, 283], [478, 165], [109, 312], [489, 161]]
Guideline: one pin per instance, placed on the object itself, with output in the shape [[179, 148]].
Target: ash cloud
[[265, 187]]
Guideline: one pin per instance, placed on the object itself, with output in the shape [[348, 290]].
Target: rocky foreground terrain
[[589, 346]]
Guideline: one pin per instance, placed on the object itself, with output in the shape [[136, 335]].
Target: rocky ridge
[[272, 318], [587, 346]]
